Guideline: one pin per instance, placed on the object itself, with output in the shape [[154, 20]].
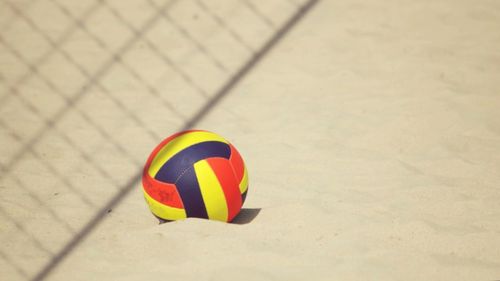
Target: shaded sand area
[[371, 133]]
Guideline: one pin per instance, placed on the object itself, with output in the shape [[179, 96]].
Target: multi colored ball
[[195, 174]]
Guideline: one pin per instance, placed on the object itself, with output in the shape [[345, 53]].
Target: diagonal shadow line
[[221, 93], [150, 89], [33, 70], [162, 55], [187, 35], [252, 62], [21, 229], [79, 23], [16, 267], [220, 22], [82, 71], [9, 24], [41, 204], [74, 99], [72, 61], [259, 14]]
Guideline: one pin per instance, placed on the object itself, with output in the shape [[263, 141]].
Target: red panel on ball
[[237, 163], [224, 172], [165, 193]]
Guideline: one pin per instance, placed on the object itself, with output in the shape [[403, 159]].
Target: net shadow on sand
[[93, 79]]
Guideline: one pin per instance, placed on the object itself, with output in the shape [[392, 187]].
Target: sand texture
[[371, 133]]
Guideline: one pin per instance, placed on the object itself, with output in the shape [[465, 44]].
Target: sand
[[371, 133]]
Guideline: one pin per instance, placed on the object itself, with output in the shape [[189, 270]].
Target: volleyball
[[195, 174]]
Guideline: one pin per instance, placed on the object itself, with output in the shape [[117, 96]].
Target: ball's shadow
[[246, 215]]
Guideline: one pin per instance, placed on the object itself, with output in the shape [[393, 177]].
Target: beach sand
[[371, 133]]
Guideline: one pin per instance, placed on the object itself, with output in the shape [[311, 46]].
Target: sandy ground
[[371, 135]]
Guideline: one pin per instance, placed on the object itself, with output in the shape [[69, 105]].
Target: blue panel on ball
[[189, 190], [175, 166]]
